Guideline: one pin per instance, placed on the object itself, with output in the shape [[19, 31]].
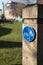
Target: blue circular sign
[[28, 33]]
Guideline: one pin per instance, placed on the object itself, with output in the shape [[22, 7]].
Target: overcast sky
[[23, 1]]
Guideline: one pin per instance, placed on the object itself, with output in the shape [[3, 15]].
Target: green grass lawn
[[10, 44]]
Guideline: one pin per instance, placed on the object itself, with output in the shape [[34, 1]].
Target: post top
[[34, 2], [40, 1]]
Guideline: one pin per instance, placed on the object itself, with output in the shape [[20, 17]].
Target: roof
[[14, 3]]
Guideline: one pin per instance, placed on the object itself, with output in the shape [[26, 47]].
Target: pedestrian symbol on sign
[[28, 33]]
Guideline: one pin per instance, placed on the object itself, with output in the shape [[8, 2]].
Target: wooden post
[[33, 51], [29, 49]]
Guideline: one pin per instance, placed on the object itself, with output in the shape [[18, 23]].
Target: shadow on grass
[[9, 44], [4, 31], [6, 21]]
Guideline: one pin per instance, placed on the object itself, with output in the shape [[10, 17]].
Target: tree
[[16, 9]]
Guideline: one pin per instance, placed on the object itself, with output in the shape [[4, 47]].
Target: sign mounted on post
[[28, 34]]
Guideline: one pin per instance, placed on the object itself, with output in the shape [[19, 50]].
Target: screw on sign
[[28, 34]]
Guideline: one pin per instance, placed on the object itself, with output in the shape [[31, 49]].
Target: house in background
[[13, 10]]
